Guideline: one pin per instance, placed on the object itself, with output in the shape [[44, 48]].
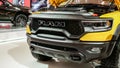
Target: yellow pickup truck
[[78, 31]]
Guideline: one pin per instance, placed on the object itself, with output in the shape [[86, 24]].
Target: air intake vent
[[55, 47]]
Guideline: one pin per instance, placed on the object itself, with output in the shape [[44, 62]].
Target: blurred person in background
[[37, 4]]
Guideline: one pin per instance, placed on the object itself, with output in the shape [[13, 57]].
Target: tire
[[20, 20], [113, 60], [40, 57]]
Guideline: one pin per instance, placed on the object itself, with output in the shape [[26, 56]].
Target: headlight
[[97, 25]]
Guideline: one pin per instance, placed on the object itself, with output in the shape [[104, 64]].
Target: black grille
[[72, 26], [56, 47]]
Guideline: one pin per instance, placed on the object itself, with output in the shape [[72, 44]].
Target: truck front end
[[76, 33]]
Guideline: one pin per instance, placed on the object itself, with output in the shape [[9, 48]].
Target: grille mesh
[[72, 26]]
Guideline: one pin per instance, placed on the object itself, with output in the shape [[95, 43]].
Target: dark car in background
[[18, 15]]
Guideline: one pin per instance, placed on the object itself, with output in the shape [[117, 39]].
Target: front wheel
[[113, 60], [20, 20]]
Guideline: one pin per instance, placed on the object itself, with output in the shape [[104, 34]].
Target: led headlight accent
[[97, 25]]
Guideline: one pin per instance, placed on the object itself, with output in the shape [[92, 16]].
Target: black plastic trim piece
[[82, 47]]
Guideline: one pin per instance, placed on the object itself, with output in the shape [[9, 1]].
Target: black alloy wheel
[[20, 20]]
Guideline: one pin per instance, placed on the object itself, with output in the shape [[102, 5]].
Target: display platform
[[7, 26]]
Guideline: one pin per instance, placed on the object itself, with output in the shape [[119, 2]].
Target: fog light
[[94, 50]]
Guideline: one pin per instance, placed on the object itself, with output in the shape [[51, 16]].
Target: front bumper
[[74, 51]]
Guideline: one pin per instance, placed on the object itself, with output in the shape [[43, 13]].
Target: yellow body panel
[[38, 12], [107, 35], [28, 29]]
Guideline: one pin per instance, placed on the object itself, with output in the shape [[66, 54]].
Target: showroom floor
[[15, 53]]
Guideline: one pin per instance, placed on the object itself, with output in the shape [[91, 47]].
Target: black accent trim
[[117, 32], [113, 42]]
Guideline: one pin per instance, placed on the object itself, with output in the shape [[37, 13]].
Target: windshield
[[102, 2]]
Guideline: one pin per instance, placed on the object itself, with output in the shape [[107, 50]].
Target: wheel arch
[[20, 12], [113, 41]]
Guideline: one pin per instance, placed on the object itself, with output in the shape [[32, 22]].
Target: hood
[[86, 8], [63, 15], [82, 9]]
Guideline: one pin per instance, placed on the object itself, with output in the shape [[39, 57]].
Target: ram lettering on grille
[[51, 23]]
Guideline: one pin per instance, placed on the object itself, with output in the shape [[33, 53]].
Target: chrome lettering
[[51, 23]]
